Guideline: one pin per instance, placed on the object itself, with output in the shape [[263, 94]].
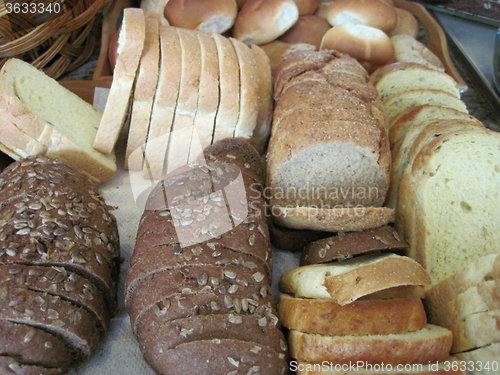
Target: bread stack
[[328, 157], [41, 117], [59, 259], [200, 275], [365, 311], [186, 89], [468, 303]]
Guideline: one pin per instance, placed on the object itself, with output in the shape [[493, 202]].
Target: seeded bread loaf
[[59, 252], [195, 264]]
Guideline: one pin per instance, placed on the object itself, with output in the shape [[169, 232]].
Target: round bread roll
[[408, 49], [323, 8], [407, 24], [240, 3], [374, 13], [261, 21], [307, 29], [277, 49], [306, 7], [370, 46], [211, 16]]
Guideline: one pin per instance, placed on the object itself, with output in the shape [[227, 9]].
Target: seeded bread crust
[[59, 282], [373, 317], [72, 324], [9, 365], [347, 245], [220, 357], [36, 346]]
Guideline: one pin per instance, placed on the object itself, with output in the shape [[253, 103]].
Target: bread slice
[[262, 130], [164, 104], [332, 219], [347, 245], [414, 77], [346, 281], [408, 146], [10, 365], [249, 90], [475, 331], [229, 83], [130, 46], [408, 49], [427, 345], [187, 101], [142, 105], [208, 101], [403, 122], [446, 224], [412, 98], [43, 110], [373, 317], [487, 356]]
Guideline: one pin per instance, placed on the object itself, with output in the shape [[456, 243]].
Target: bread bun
[[240, 3], [407, 24], [408, 49], [307, 29], [322, 9], [374, 13], [261, 21], [370, 46], [306, 7], [212, 16]]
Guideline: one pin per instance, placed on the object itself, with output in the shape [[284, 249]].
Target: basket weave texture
[[55, 42]]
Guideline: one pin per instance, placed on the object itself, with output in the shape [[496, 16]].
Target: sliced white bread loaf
[[187, 101], [403, 121], [347, 281], [373, 317], [411, 76], [46, 118], [427, 345], [452, 187], [144, 93], [130, 46], [164, 104], [412, 98]]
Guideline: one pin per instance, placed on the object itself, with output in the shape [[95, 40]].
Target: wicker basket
[[58, 40]]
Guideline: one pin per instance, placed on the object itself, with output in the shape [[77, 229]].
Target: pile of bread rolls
[[198, 290], [59, 262]]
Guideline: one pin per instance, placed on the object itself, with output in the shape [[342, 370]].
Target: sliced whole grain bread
[[9, 365], [347, 245]]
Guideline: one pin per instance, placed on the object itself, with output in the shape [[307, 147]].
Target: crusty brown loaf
[[190, 269], [9, 365], [59, 260]]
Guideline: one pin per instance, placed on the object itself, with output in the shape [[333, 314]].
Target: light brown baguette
[[373, 317], [427, 345]]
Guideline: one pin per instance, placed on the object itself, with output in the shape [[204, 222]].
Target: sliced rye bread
[[427, 345], [345, 282], [166, 257], [181, 306], [181, 135], [373, 317], [144, 93], [130, 47], [164, 104], [73, 325], [220, 357], [58, 281], [208, 101], [229, 90], [401, 123], [231, 280], [261, 331], [35, 346], [249, 90], [348, 245], [9, 365]]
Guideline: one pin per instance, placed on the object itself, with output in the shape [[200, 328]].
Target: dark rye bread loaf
[[59, 262], [227, 356], [37, 346], [348, 245], [201, 269], [9, 365]]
